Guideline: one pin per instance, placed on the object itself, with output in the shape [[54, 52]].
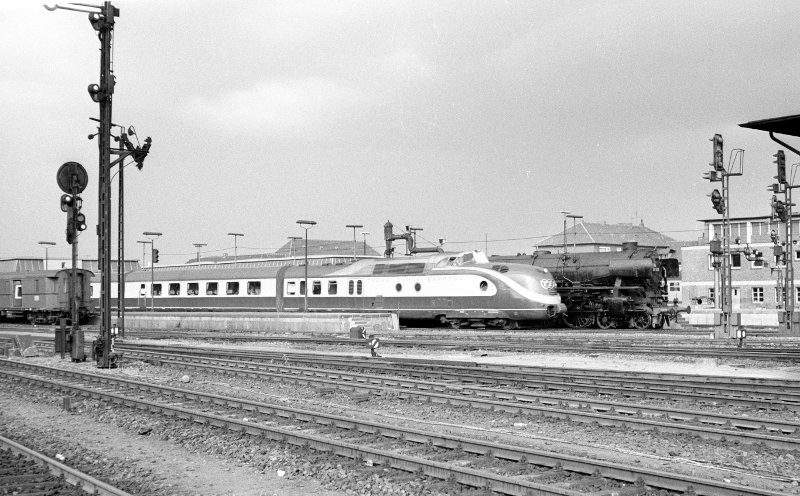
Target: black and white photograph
[[356, 248]]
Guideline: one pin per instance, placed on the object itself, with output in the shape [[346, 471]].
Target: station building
[[755, 285], [601, 237]]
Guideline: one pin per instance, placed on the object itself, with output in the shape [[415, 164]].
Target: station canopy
[[789, 125]]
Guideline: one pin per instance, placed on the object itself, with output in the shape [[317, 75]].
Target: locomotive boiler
[[627, 288]]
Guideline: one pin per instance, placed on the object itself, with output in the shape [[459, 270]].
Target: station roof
[[789, 125]]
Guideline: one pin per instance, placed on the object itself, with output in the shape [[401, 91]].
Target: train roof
[[39, 273], [295, 268]]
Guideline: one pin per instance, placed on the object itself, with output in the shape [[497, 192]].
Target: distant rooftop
[[596, 233], [315, 247]]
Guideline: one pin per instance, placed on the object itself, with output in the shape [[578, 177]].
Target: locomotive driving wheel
[[578, 320], [604, 320], [641, 320]]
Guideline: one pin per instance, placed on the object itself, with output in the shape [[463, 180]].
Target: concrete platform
[[334, 323]]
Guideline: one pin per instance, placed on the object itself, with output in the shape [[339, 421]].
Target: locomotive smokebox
[[631, 268]]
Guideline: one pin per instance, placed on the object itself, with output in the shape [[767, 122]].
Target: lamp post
[[235, 246], [153, 236], [306, 224], [46, 245], [292, 239], [354, 226], [198, 246], [364, 234], [574, 232]]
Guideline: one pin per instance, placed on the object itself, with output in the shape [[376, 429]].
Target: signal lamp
[[66, 202], [94, 91]]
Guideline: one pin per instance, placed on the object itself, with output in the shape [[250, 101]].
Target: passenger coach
[[455, 288]]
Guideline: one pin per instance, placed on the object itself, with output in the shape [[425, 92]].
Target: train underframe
[[588, 307]]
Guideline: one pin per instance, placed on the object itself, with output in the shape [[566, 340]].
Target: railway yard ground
[[264, 414]]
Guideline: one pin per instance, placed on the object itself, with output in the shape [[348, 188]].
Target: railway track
[[765, 350], [502, 468], [750, 430], [24, 471]]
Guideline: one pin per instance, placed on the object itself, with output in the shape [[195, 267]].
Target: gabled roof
[[315, 247], [595, 233]]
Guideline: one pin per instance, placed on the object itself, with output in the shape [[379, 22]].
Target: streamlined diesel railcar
[[456, 289], [43, 297], [626, 288]]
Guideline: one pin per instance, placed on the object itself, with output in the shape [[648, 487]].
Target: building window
[[711, 294], [211, 288], [604, 249], [193, 288], [332, 289], [174, 288], [797, 295], [674, 286], [156, 289], [758, 295], [254, 287], [316, 287], [797, 255], [736, 260]]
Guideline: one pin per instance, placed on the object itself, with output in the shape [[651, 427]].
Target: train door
[[280, 277], [16, 301]]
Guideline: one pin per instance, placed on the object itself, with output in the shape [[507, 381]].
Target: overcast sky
[[471, 120]]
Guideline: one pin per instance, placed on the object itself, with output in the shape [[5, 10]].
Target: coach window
[[193, 288], [316, 287], [291, 288], [302, 287], [232, 288], [174, 288], [358, 287], [18, 292], [398, 287], [156, 290], [254, 287], [332, 287], [211, 288], [36, 285], [350, 287], [484, 285], [417, 286]]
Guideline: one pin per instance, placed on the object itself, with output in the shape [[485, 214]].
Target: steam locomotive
[[43, 297], [621, 289]]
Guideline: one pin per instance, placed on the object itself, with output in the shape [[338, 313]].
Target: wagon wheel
[[578, 320], [604, 320], [641, 320]]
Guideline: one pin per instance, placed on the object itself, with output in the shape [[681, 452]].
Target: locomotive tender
[[450, 288], [626, 288], [42, 297]]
